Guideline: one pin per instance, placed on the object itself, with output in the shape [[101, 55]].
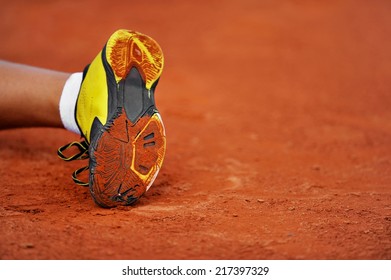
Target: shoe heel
[[126, 49]]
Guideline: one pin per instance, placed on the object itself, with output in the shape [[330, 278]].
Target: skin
[[30, 96]]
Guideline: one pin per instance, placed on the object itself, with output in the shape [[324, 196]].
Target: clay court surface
[[278, 121]]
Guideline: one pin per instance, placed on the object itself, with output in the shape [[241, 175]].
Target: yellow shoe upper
[[92, 101]]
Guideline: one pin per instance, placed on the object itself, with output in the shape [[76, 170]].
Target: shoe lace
[[82, 146]]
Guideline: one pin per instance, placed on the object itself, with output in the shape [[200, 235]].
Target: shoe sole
[[127, 152]]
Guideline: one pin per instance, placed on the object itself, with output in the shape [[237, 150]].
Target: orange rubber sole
[[128, 158]]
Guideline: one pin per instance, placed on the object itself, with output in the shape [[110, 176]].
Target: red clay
[[278, 129]]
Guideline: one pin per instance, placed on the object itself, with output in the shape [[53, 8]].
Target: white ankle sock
[[68, 100]]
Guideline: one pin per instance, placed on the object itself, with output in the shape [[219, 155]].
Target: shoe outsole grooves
[[126, 156]]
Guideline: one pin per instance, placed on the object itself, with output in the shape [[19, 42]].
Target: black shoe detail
[[133, 94], [149, 144], [96, 131], [149, 136]]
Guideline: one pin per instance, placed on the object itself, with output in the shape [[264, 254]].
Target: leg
[[29, 96]]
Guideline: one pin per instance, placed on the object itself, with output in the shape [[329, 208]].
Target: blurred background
[[278, 126]]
